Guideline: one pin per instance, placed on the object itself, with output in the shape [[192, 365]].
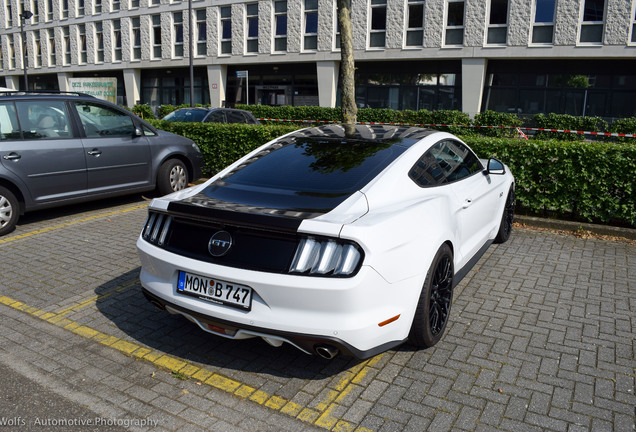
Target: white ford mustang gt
[[330, 241]]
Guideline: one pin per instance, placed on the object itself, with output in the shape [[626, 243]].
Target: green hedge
[[567, 122], [449, 117], [590, 181], [587, 181], [222, 144]]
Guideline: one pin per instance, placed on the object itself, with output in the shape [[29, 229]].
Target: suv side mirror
[[495, 167]]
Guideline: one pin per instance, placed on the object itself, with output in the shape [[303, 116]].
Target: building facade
[[523, 56]]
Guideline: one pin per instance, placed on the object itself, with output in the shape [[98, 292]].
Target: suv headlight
[[326, 257]]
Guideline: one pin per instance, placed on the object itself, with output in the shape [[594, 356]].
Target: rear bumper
[[306, 343], [361, 316]]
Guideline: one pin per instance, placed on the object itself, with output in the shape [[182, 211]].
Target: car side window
[[235, 117], [445, 162], [43, 119], [101, 121], [9, 128], [147, 131], [216, 116]]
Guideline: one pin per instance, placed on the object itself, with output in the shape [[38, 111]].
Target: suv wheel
[[172, 177], [9, 211]]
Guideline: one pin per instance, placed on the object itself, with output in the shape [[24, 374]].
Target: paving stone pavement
[[541, 338]]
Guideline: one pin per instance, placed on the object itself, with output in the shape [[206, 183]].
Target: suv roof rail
[[9, 91]]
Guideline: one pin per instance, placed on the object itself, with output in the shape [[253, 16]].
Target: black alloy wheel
[[507, 218], [441, 295], [434, 305]]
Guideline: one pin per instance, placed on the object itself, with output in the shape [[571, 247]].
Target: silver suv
[[62, 148]]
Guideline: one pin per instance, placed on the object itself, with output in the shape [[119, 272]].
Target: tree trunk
[[347, 65]]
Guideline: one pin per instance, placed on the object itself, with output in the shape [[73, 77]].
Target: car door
[[38, 146], [116, 157], [476, 197]]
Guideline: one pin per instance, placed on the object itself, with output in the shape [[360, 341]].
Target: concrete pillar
[[62, 81], [217, 79], [327, 82], [13, 81], [473, 80], [132, 86]]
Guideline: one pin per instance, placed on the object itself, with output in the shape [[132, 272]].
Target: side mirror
[[137, 132], [495, 167]]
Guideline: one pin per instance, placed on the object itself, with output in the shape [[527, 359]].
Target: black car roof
[[404, 136]]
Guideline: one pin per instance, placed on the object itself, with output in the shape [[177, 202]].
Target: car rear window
[[317, 166]]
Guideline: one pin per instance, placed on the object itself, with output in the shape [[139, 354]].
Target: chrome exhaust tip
[[326, 351]]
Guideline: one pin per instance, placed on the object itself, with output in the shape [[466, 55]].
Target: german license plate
[[215, 291]]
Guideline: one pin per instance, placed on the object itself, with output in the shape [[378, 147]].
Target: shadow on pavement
[[175, 335]]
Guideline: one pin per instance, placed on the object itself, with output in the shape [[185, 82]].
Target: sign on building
[[101, 88]]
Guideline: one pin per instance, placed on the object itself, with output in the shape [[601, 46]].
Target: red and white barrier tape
[[519, 129]]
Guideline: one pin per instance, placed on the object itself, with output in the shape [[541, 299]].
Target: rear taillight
[[326, 257]]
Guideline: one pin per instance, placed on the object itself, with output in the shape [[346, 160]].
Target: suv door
[[116, 158], [38, 146]]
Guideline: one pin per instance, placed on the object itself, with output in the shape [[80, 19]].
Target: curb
[[565, 225]]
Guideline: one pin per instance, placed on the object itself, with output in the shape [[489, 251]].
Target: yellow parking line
[[94, 299], [73, 222], [321, 416]]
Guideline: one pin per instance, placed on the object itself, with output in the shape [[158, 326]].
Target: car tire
[[505, 227], [433, 307], [9, 211], [172, 176]]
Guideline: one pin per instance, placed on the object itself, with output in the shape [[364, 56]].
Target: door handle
[[95, 152], [467, 203], [12, 156]]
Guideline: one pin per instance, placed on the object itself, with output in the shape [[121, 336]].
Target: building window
[[12, 55], [8, 14], [67, 45], [311, 25], [226, 30], [115, 5], [454, 34], [543, 28], [634, 26], [280, 15], [51, 43], [592, 25], [117, 39], [336, 25], [98, 7], [82, 43], [136, 38], [134, 4], [64, 8], [38, 50], [202, 37], [498, 23], [377, 32], [415, 23], [155, 2], [156, 36], [32, 5], [49, 10], [177, 33], [252, 28], [99, 42], [80, 8]]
